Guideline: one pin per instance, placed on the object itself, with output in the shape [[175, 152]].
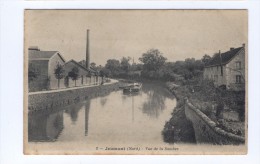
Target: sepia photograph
[[155, 82]]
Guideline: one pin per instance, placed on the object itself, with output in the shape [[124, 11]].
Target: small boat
[[133, 88]]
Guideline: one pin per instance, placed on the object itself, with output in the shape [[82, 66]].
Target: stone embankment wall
[[50, 101], [178, 129], [206, 131]]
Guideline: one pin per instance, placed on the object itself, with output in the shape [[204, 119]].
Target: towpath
[[72, 88]]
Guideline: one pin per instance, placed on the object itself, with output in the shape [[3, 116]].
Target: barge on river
[[132, 88]]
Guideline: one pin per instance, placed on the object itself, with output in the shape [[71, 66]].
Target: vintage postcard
[[135, 82]]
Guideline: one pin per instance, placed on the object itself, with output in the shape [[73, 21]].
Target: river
[[111, 120]]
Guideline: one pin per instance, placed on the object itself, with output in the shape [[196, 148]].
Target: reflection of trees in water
[[103, 101], [45, 127], [73, 111], [125, 96], [158, 88], [156, 99]]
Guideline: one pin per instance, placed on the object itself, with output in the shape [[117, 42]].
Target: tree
[[152, 60], [59, 73], [114, 66], [33, 72], [105, 72], [74, 74], [93, 65], [125, 65], [205, 59], [190, 64]]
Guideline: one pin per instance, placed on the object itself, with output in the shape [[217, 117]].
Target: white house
[[227, 69]]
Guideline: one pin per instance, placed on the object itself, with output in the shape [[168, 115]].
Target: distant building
[[227, 69], [42, 66], [44, 63]]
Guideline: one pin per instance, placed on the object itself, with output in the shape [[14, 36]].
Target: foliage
[[154, 67], [189, 68], [205, 59], [153, 60], [113, 66], [105, 72], [59, 73], [74, 74], [125, 65], [93, 65], [222, 98]]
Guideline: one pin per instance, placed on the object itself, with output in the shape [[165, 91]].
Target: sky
[[178, 34]]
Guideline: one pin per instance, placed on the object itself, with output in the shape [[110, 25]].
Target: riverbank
[[196, 121], [51, 100], [178, 129], [120, 118]]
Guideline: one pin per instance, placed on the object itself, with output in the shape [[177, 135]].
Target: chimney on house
[[34, 48], [231, 48], [220, 58], [87, 51], [32, 51]]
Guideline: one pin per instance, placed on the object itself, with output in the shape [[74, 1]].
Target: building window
[[238, 65], [238, 78], [221, 67]]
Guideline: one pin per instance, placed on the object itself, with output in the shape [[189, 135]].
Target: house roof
[[223, 58], [79, 65], [43, 55], [76, 63], [92, 70], [83, 62]]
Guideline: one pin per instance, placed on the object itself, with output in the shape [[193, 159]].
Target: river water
[[114, 119]]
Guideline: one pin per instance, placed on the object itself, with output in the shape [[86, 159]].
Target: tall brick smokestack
[[87, 51]]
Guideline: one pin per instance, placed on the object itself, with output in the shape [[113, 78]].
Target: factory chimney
[[87, 51]]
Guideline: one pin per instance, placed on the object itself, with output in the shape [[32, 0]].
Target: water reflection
[[132, 96], [116, 116], [45, 127], [87, 106], [155, 103], [103, 101], [73, 111]]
